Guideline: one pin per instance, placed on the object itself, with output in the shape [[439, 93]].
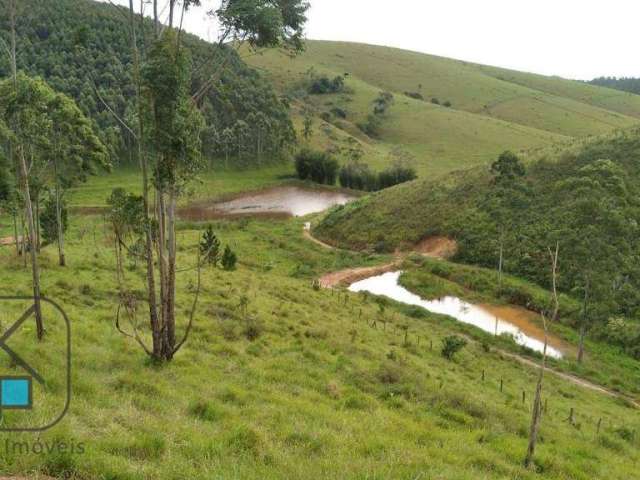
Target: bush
[[447, 104], [323, 85], [435, 101], [357, 176], [414, 95], [319, 167], [229, 259], [452, 345], [339, 112]]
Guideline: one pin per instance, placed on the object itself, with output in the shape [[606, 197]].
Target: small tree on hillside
[[452, 345], [210, 247], [229, 259]]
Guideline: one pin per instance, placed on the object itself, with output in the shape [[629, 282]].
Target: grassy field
[[318, 394], [492, 109]]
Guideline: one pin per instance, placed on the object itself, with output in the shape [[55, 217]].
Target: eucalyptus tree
[[75, 151], [168, 134]]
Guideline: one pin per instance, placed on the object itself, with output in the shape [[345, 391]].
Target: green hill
[[585, 198], [81, 48], [491, 108]]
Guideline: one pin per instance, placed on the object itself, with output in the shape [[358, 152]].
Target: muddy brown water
[[276, 202], [515, 321]]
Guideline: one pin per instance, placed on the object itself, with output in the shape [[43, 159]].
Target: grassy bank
[[319, 393]]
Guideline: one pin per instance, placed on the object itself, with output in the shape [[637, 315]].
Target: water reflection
[[497, 320]]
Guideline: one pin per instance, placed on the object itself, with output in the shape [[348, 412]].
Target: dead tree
[[537, 402]]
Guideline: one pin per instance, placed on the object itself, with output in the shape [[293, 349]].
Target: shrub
[[358, 176], [205, 411], [435, 101], [414, 95], [323, 85], [339, 112], [229, 259], [319, 167], [452, 345], [447, 104]]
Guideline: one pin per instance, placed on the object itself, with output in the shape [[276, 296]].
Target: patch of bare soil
[[351, 275], [436, 247], [4, 242]]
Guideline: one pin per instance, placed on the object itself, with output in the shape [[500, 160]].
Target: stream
[[497, 320]]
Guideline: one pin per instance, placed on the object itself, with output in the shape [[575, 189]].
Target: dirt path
[[307, 234], [581, 382]]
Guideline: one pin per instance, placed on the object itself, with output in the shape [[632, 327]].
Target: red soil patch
[[436, 247], [4, 242], [351, 275]]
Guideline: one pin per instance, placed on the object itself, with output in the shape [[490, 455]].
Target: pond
[[284, 201], [515, 321]]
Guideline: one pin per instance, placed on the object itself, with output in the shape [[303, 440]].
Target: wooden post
[[523, 396], [430, 344], [599, 424], [483, 375], [501, 384], [571, 416], [545, 404]]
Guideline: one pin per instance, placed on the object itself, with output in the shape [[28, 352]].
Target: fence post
[[501, 383], [599, 424], [483, 375], [523, 396], [571, 419]]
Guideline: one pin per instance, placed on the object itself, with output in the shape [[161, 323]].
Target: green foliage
[[357, 175], [507, 168], [210, 246], [265, 23], [585, 198], [49, 220], [229, 259], [319, 167], [126, 213], [175, 130], [79, 47], [452, 345], [322, 85]]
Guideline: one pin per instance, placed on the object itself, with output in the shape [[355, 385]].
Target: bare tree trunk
[[156, 21], [170, 324], [583, 324], [172, 5], [59, 224], [537, 403], [24, 175], [35, 270], [142, 158], [37, 220], [15, 232], [501, 260]]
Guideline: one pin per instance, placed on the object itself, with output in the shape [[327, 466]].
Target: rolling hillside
[[492, 109]]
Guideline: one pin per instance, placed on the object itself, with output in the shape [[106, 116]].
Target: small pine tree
[[210, 247], [229, 259]]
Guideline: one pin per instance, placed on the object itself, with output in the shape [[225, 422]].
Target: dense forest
[[626, 84], [81, 49]]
